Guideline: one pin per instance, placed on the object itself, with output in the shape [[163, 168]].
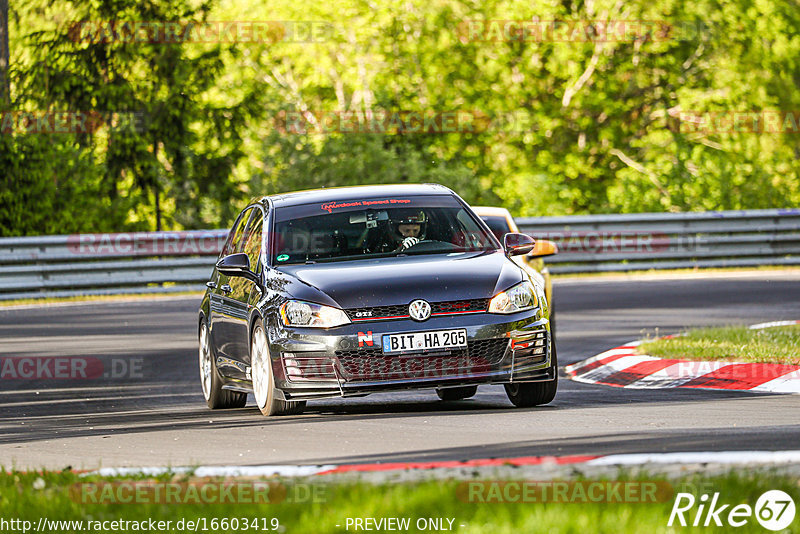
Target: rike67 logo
[[774, 510]]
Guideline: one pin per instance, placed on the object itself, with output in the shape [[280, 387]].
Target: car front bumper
[[349, 361]]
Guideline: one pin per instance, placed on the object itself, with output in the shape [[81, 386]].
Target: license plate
[[423, 341]]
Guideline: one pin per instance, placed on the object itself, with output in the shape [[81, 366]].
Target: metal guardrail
[[156, 262], [101, 264], [643, 241]]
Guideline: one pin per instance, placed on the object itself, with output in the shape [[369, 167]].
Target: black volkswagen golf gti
[[351, 291]]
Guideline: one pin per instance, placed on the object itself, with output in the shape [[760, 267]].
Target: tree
[[4, 54], [167, 149], [586, 122]]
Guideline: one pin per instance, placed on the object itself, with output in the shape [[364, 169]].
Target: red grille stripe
[[379, 318]]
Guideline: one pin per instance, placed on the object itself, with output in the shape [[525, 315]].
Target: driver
[[408, 228]]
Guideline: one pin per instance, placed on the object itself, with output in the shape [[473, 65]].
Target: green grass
[[736, 343], [23, 496]]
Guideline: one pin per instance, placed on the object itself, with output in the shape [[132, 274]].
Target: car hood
[[399, 280]]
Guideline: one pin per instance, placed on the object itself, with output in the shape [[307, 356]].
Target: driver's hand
[[409, 242]]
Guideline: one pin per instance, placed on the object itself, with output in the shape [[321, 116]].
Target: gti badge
[[419, 310]]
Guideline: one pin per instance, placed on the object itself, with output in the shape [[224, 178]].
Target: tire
[[454, 394], [210, 379], [527, 394], [264, 379]]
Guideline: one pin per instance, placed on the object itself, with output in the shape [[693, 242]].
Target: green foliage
[[173, 157], [602, 128], [324, 505], [362, 159], [51, 187], [734, 343]]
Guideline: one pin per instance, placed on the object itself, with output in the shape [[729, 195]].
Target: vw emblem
[[419, 310]]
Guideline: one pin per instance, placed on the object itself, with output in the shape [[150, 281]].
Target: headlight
[[518, 298], [299, 313]]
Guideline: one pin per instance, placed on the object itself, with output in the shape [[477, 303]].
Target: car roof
[[334, 194]]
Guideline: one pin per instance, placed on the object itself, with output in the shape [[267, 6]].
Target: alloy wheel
[[205, 361]]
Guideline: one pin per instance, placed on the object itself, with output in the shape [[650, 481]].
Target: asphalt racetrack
[[149, 410]]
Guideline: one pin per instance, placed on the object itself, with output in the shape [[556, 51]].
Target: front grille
[[535, 344], [378, 312], [304, 366], [372, 365], [459, 306], [530, 350], [400, 311]]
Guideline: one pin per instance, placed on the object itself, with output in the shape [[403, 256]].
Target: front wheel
[[527, 394], [264, 379], [210, 379]]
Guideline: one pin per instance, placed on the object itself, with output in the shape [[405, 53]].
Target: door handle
[[211, 285], [225, 288]]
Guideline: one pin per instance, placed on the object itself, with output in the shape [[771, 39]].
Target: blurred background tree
[[601, 130]]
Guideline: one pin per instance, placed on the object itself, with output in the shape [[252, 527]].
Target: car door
[[222, 313], [244, 293]]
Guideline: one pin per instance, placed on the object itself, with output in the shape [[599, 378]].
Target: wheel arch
[[255, 317], [201, 320]]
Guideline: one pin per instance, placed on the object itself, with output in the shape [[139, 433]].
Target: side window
[[498, 226], [252, 239], [235, 235]]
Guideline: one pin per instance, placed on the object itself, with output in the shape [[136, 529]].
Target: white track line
[[721, 457], [789, 383], [700, 457], [771, 324], [219, 470]]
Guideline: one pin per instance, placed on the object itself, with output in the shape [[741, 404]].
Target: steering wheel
[[429, 245]]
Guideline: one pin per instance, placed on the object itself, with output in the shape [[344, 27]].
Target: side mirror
[[239, 265], [516, 244], [543, 248]]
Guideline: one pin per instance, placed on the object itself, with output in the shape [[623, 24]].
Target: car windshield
[[378, 227]]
